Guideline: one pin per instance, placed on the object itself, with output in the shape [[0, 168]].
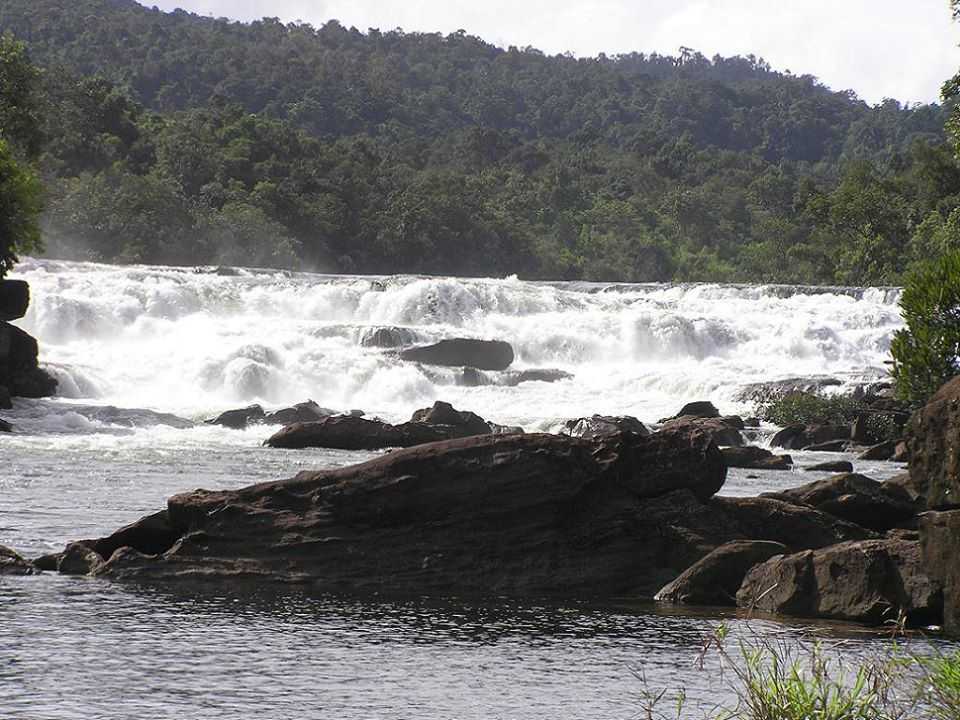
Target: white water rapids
[[195, 343]]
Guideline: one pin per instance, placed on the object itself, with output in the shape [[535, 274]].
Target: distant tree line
[[174, 138]]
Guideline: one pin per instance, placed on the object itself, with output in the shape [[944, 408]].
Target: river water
[[133, 346]]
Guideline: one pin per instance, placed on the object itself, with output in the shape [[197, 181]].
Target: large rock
[[722, 431], [345, 432], [517, 514], [940, 543], [239, 418], [932, 444], [11, 563], [856, 499], [14, 299], [870, 581], [598, 426], [388, 337], [443, 413], [755, 458], [480, 354], [301, 412], [715, 579], [797, 437], [697, 409], [798, 527], [19, 367]]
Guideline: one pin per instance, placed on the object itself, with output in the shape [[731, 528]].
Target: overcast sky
[[902, 49]]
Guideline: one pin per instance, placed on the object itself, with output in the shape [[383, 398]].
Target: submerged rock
[[12, 563], [869, 581], [716, 578], [460, 352], [755, 458], [517, 514], [239, 419], [547, 375], [598, 426]]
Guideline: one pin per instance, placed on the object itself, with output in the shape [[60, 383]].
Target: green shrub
[[925, 353], [807, 408]]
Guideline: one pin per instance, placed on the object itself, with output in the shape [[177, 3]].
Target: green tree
[[20, 206]]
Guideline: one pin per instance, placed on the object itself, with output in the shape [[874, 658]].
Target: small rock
[[842, 466], [882, 451], [79, 559], [239, 419], [301, 412], [755, 458], [697, 409], [12, 563]]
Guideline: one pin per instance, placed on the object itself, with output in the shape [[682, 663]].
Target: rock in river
[[490, 514], [599, 425], [459, 352], [755, 458]]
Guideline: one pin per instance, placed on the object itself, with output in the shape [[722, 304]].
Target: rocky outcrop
[[345, 432], [940, 544], [239, 418], [755, 458], [460, 352], [856, 499], [722, 432], [12, 563], [797, 527], [598, 426], [516, 514], [14, 299], [20, 371], [934, 451], [797, 437], [716, 578], [871, 581]]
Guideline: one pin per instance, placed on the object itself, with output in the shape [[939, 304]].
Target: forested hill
[[178, 138]]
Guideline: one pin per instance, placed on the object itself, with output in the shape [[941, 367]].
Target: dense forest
[[174, 138]]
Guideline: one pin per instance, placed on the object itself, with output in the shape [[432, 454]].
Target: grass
[[795, 680]]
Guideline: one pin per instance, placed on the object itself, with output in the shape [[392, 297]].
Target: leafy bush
[[806, 408], [926, 352]]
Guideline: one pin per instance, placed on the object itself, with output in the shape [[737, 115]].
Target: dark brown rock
[[881, 451], [48, 562], [856, 499], [301, 412], [715, 579], [697, 409], [720, 431], [517, 514], [831, 446], [353, 433], [442, 413], [755, 458], [20, 372], [12, 563], [14, 299], [150, 535], [79, 559], [940, 544], [600, 425], [797, 437], [480, 354], [838, 466], [798, 527], [869, 581], [240, 418], [934, 451]]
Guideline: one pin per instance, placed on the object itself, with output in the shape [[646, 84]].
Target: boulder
[[940, 545], [796, 526], [442, 413], [719, 430], [20, 372], [11, 563], [797, 437], [496, 515], [480, 354], [150, 535], [79, 559], [715, 579], [697, 409], [856, 499], [239, 419], [755, 458], [881, 451], [931, 438], [388, 337], [869, 581], [600, 425], [840, 466], [516, 377], [831, 446], [734, 421], [301, 412], [345, 432], [14, 299]]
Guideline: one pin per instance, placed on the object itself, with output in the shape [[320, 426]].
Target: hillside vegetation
[[174, 138]]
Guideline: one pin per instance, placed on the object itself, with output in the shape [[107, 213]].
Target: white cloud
[[880, 48]]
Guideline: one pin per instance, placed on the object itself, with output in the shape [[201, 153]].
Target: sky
[[902, 49]]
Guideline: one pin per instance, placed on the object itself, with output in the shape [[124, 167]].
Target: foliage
[[807, 408], [926, 353], [411, 152], [20, 205]]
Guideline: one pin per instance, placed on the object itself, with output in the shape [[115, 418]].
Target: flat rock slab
[[463, 352]]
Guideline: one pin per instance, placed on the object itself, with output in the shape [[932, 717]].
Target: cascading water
[[194, 343]]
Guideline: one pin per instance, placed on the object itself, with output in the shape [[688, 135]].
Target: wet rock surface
[[463, 352], [11, 563], [600, 425], [752, 457]]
